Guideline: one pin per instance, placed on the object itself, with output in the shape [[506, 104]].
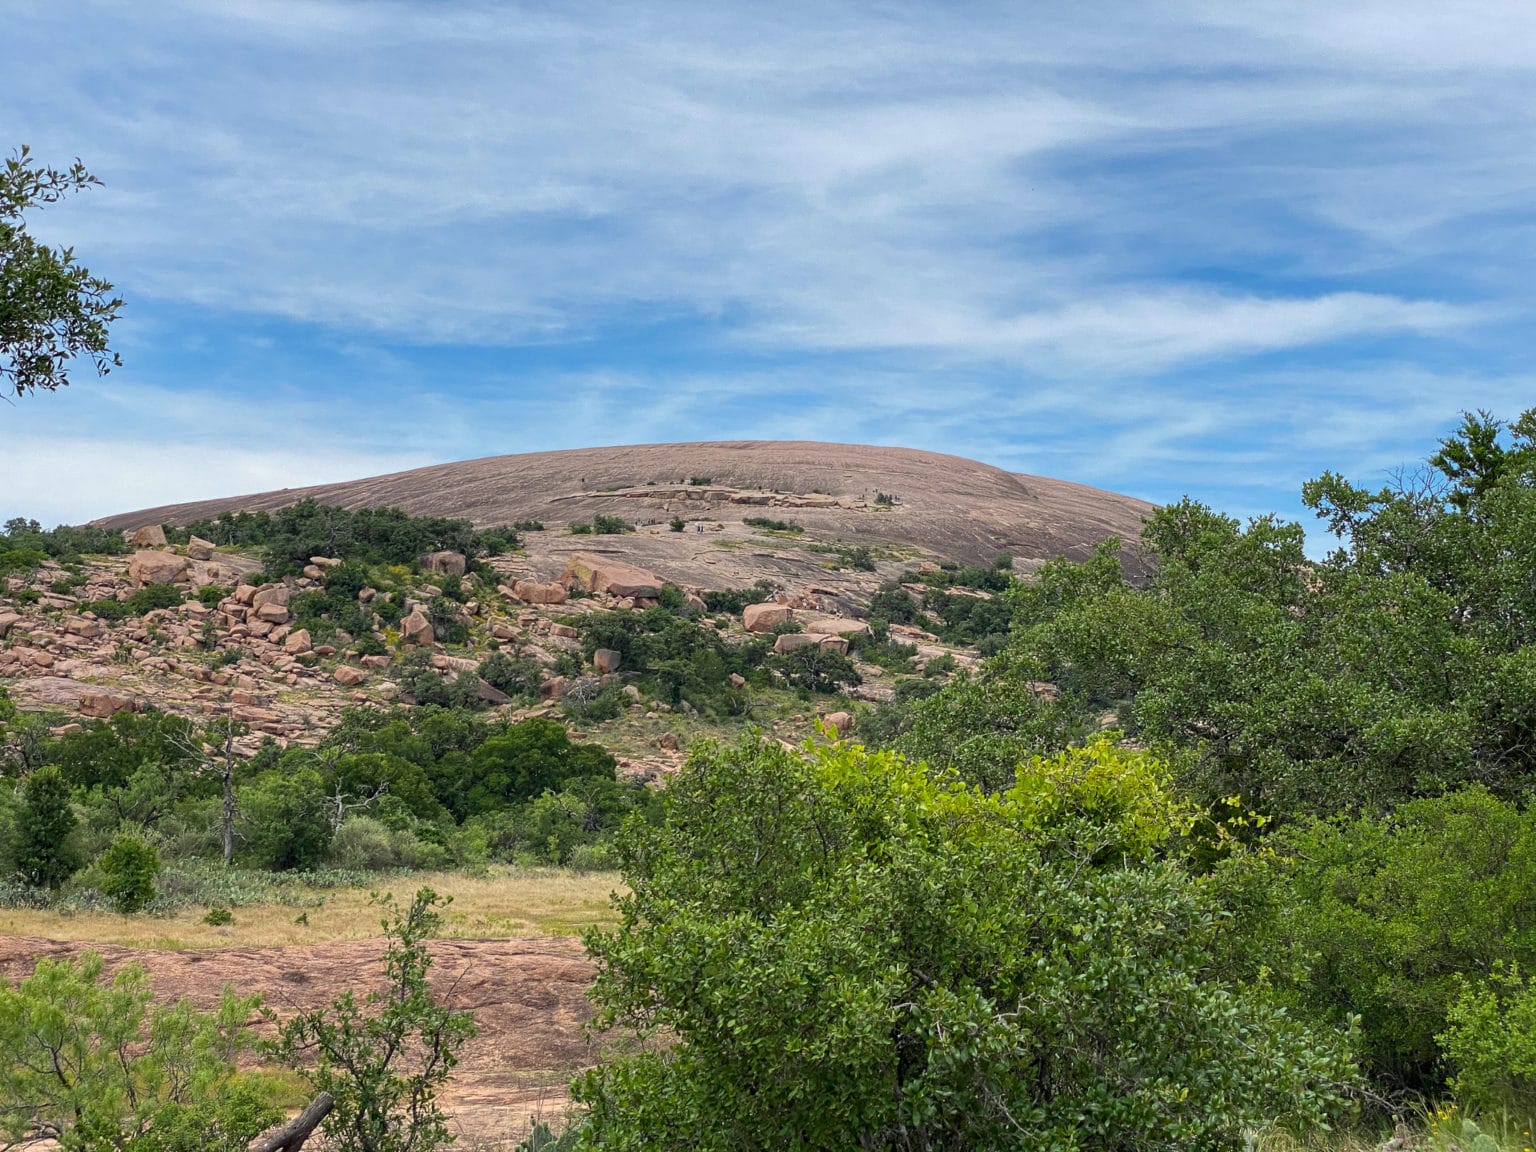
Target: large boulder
[[446, 563], [765, 617], [270, 594], [297, 642], [87, 627], [538, 592], [838, 626], [607, 660], [613, 577], [839, 722], [102, 705], [200, 549], [790, 641], [8, 620], [157, 568], [149, 536], [417, 629], [349, 676]]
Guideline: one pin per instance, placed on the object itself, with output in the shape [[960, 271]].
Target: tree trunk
[[291, 1136]]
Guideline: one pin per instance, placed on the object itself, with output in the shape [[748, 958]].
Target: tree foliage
[[98, 1068], [852, 952], [52, 310]]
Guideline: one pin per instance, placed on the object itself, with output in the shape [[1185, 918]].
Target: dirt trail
[[528, 996]]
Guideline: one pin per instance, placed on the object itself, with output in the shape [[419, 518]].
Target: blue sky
[[1164, 248]]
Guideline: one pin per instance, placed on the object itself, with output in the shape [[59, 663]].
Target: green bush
[[128, 869], [209, 595], [1490, 1043], [844, 951], [773, 525]]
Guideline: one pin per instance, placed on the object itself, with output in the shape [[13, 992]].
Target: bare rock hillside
[[937, 505]]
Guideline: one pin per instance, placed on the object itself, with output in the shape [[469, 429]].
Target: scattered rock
[[272, 613], [607, 660], [200, 549], [738, 680], [149, 536], [346, 675], [564, 630], [553, 688], [8, 620], [297, 642], [1044, 690]]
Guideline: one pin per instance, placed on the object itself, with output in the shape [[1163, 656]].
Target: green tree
[[848, 951], [385, 1059], [52, 310], [44, 849], [128, 870], [97, 1068]]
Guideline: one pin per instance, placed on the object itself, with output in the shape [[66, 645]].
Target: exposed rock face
[[538, 592], [765, 617], [613, 577], [607, 660], [157, 568], [200, 549], [417, 629], [148, 536], [446, 563]]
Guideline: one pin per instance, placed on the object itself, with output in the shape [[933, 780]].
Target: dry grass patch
[[502, 902]]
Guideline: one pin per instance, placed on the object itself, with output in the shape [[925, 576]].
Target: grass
[[504, 901]]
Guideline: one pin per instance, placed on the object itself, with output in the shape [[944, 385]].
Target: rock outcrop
[[157, 567], [612, 577]]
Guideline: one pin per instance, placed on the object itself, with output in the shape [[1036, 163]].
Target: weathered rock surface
[[417, 629], [200, 549], [539, 592], [148, 536], [607, 660]]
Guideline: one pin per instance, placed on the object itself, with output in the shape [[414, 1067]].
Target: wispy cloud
[[1107, 241]]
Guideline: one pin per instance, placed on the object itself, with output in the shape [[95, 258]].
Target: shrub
[[677, 524], [516, 675], [701, 481], [219, 917], [1385, 918], [911, 963], [815, 670], [773, 525], [385, 1059], [128, 869], [209, 595]]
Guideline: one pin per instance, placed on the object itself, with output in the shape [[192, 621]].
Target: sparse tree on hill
[[52, 310]]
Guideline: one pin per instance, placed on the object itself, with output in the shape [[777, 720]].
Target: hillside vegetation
[[1221, 846]]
